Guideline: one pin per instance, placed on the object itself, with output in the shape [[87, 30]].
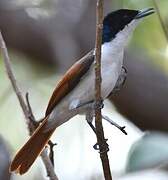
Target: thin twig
[[12, 78], [48, 165], [51, 154], [165, 30], [25, 108], [103, 146], [32, 123], [31, 116]]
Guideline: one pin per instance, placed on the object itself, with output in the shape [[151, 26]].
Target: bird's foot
[[98, 104], [105, 147]]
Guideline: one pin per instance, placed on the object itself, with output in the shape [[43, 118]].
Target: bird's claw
[[123, 130], [97, 147], [98, 104]]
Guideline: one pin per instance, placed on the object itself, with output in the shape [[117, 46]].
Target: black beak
[[144, 13]]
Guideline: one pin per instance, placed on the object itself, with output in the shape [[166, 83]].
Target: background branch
[[103, 146], [26, 109]]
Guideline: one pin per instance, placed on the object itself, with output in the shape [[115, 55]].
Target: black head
[[117, 20]]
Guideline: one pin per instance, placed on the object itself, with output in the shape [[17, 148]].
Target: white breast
[[112, 61]]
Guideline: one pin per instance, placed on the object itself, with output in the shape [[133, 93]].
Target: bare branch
[[26, 109], [48, 165], [51, 154], [12, 78], [32, 123], [31, 116], [103, 146]]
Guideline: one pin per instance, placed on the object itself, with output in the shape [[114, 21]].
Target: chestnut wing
[[70, 80]]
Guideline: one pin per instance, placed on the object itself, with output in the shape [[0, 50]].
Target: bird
[[76, 87]]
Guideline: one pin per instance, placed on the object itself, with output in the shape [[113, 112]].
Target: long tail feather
[[30, 151]]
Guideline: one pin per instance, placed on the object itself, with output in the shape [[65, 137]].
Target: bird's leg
[[89, 113], [121, 80], [90, 107], [92, 126], [89, 119], [98, 104], [121, 128]]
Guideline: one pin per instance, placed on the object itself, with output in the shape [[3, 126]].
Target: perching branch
[[26, 109], [103, 146], [165, 30]]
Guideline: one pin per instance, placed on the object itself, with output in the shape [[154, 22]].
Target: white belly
[[112, 63]]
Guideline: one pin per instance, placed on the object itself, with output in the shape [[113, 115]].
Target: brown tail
[[29, 152]]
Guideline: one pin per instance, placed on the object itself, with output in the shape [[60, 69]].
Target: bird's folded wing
[[70, 80]]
